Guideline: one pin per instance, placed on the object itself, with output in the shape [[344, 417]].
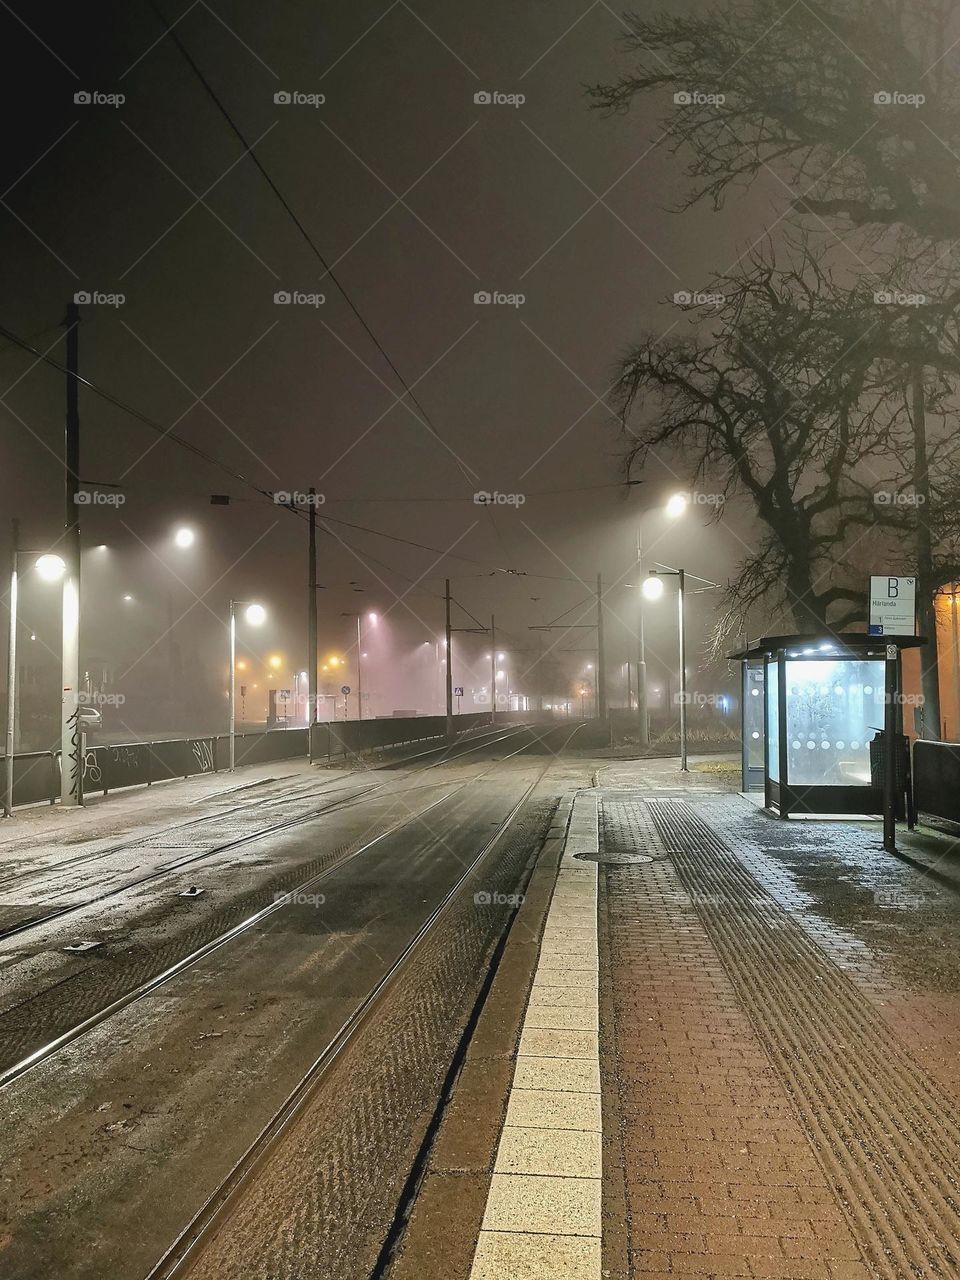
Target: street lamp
[[652, 588], [184, 538], [675, 506], [373, 619], [50, 568], [254, 614]]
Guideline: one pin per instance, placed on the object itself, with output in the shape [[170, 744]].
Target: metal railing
[[36, 777]]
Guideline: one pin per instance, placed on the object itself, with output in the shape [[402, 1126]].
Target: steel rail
[[44, 1052], [48, 917], [199, 1231]]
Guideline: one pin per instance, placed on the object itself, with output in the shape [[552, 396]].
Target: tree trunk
[[926, 586]]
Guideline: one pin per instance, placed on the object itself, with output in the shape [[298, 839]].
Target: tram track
[[39, 1010], [190, 1246], [155, 839]]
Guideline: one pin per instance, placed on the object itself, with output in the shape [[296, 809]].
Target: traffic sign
[[893, 606], [458, 691], [344, 689], [284, 695]]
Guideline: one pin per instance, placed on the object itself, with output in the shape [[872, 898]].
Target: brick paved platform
[[772, 1120]]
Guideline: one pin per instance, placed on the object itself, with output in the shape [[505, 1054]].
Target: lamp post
[[652, 588], [254, 615], [50, 568], [372, 617], [675, 506]]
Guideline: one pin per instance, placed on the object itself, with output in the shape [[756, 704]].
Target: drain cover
[[614, 859]]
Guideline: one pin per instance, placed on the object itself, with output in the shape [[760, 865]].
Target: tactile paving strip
[[882, 1129]]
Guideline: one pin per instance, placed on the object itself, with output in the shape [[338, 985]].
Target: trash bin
[[878, 771]]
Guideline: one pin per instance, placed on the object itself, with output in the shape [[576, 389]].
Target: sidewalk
[[777, 1074], [47, 829]]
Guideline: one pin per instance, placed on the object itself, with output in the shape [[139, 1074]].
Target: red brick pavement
[[720, 1179]]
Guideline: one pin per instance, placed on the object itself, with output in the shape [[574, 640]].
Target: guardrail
[[36, 774]]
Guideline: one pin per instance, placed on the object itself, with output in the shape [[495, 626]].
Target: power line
[[305, 234], [424, 417], [210, 458]]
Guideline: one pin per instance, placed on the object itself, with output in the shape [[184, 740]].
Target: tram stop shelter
[[810, 708]]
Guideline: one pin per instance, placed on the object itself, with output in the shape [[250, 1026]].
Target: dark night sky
[[498, 198]]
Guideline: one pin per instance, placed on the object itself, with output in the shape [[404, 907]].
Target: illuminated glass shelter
[[810, 708]]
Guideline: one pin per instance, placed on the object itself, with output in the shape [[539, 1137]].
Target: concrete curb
[[543, 1212]]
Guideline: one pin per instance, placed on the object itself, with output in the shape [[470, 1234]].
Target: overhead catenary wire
[[409, 394], [225, 467]]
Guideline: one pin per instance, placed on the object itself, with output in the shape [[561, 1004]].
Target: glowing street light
[[50, 568], [184, 537], [677, 504], [254, 615], [653, 590], [372, 618]]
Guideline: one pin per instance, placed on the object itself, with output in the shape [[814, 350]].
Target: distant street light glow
[[184, 537], [677, 504], [652, 588]]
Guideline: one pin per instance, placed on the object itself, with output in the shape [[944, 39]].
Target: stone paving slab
[[543, 1213]]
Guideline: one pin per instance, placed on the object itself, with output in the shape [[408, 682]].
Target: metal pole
[[312, 680], [11, 674], [601, 656], [644, 734], [493, 669], [359, 663], [448, 635], [681, 578], [891, 745], [233, 686], [71, 746]]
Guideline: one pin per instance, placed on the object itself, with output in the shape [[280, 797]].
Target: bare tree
[[781, 395], [855, 110], [826, 97]]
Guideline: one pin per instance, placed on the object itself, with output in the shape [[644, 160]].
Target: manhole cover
[[614, 859]]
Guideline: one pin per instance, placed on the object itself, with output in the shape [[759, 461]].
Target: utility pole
[[312, 623], [540, 672], [891, 745], [930, 679], [682, 582], [71, 744], [493, 669], [359, 667], [601, 656], [449, 649], [11, 674], [644, 731]]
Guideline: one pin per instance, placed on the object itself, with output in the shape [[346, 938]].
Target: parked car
[[90, 718]]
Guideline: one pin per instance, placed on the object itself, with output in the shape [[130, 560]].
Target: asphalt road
[[113, 1142]]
